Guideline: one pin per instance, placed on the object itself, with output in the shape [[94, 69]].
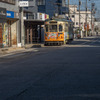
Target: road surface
[[69, 72]]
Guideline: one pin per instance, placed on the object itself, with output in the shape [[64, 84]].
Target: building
[[12, 32], [97, 25], [9, 21], [33, 23], [52, 6], [35, 15], [74, 15]]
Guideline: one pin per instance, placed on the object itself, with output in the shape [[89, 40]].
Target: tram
[[58, 31]]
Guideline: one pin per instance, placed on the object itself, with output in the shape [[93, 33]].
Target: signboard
[[2, 15], [23, 3], [46, 16], [86, 26], [52, 36], [10, 14], [42, 16]]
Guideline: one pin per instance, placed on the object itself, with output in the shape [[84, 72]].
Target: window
[[73, 16], [8, 1], [53, 28], [76, 23], [46, 28], [41, 2], [66, 27], [60, 28]]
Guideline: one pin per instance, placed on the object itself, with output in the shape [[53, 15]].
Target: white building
[[74, 15]]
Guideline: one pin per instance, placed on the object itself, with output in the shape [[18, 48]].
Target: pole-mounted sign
[[23, 3]]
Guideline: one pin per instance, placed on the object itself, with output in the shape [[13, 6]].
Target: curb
[[17, 52]]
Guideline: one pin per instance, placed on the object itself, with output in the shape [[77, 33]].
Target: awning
[[34, 22]]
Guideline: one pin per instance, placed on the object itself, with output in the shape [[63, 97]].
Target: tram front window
[[60, 28], [53, 28]]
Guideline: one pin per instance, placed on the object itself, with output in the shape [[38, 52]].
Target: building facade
[[9, 27], [52, 6], [74, 15], [35, 15], [33, 21]]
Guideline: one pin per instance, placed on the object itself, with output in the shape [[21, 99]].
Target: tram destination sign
[[23, 3]]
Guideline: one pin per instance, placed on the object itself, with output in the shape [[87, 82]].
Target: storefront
[[10, 34], [33, 31], [2, 23]]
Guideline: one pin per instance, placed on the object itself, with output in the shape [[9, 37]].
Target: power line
[[80, 14]]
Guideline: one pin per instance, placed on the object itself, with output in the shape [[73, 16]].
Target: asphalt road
[[69, 72]]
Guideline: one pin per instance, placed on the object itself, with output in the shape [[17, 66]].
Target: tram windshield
[[60, 28], [53, 28]]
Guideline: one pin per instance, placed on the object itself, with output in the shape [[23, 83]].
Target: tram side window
[[60, 28], [46, 28], [66, 27], [53, 28]]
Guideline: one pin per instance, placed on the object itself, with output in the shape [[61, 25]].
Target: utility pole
[[86, 19], [92, 11], [22, 28], [68, 9], [91, 19], [79, 18], [74, 15]]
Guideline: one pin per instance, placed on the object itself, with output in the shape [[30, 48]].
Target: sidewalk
[[30, 47], [14, 50]]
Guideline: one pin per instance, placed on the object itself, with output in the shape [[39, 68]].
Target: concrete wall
[[15, 31], [33, 8], [10, 7]]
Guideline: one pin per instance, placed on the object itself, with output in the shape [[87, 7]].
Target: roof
[[59, 19], [34, 21]]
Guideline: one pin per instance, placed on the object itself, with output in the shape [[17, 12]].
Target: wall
[[73, 11], [14, 33], [10, 7], [51, 8]]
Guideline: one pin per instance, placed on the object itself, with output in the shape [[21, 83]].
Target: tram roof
[[59, 19]]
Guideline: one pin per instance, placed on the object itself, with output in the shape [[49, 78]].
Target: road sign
[[23, 3]]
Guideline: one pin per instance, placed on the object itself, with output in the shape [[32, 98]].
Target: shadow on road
[[90, 41]]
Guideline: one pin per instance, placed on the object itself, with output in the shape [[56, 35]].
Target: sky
[[97, 5]]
